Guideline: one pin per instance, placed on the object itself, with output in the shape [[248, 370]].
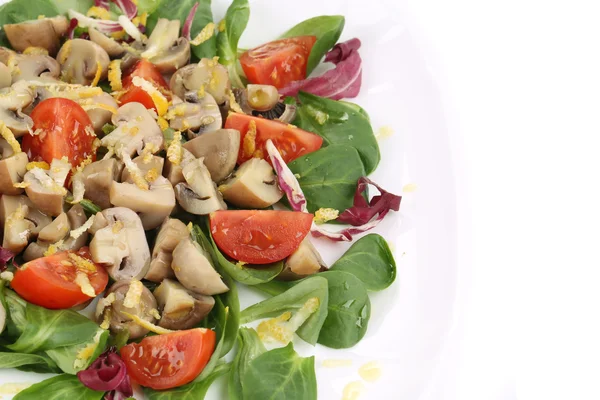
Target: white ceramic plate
[[411, 320]]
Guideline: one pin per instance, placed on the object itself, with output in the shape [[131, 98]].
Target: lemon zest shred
[[175, 151], [222, 25], [133, 294], [98, 12], [82, 263], [323, 215], [35, 51], [9, 136], [162, 123], [205, 34], [250, 140], [115, 75], [98, 74], [233, 104], [147, 325], [37, 164]]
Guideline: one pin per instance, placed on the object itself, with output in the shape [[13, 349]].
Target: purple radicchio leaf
[[187, 26], [128, 7], [344, 81], [102, 4], [6, 256], [108, 373], [362, 211]]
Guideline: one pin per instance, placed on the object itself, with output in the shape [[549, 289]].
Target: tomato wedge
[[259, 236], [291, 142], [171, 360], [279, 62], [62, 129], [50, 281], [148, 71]]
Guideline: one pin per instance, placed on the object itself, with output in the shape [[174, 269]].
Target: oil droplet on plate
[[13, 388], [370, 371], [336, 363], [384, 132], [409, 188], [353, 390]]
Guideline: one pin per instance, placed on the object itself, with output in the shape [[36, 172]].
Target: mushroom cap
[[5, 76], [56, 230], [44, 33], [220, 151], [158, 201], [80, 59], [118, 320], [121, 246], [12, 170], [111, 46], [253, 185], [97, 178], [174, 172], [194, 270], [199, 116], [145, 166], [180, 308], [303, 262], [44, 192], [136, 128], [164, 48], [209, 74], [170, 234], [200, 195], [8, 204], [12, 101], [28, 67], [101, 116]]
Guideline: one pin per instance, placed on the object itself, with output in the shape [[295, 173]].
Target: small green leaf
[[60, 387], [236, 20], [249, 347]]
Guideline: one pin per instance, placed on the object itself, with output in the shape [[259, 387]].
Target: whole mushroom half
[[220, 151], [170, 234], [303, 262], [200, 195], [174, 172], [194, 270], [196, 117], [99, 109], [98, 177], [118, 302], [46, 189], [136, 128], [253, 185], [12, 101], [180, 308], [121, 246], [111, 46], [12, 169], [207, 76], [20, 222], [44, 33], [164, 48], [81, 61], [154, 204]]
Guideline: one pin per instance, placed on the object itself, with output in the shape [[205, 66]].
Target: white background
[[522, 90]]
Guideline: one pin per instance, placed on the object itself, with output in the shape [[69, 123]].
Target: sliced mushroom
[[9, 204], [111, 46], [100, 110], [121, 246], [253, 185], [157, 202], [181, 309], [118, 319], [12, 101], [194, 270], [164, 48], [45, 33], [5, 76], [281, 112], [220, 151], [80, 60], [136, 128], [303, 262], [47, 195], [97, 178], [200, 195], [76, 216], [170, 234], [99, 222], [262, 97], [39, 68], [12, 169], [174, 172], [56, 230], [201, 115], [145, 165], [207, 76], [17, 230]]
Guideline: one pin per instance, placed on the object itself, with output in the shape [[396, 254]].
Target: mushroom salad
[[148, 167]]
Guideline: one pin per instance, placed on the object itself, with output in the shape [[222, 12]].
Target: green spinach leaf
[[292, 300], [327, 29], [349, 310], [67, 357], [60, 387], [328, 176], [280, 374], [221, 317], [191, 391], [249, 347], [371, 261], [24, 10], [16, 360], [339, 123], [236, 20], [16, 320], [180, 10]]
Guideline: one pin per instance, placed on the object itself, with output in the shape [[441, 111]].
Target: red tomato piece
[[291, 142], [148, 71], [279, 62], [171, 360], [50, 281], [63, 131], [259, 236]]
